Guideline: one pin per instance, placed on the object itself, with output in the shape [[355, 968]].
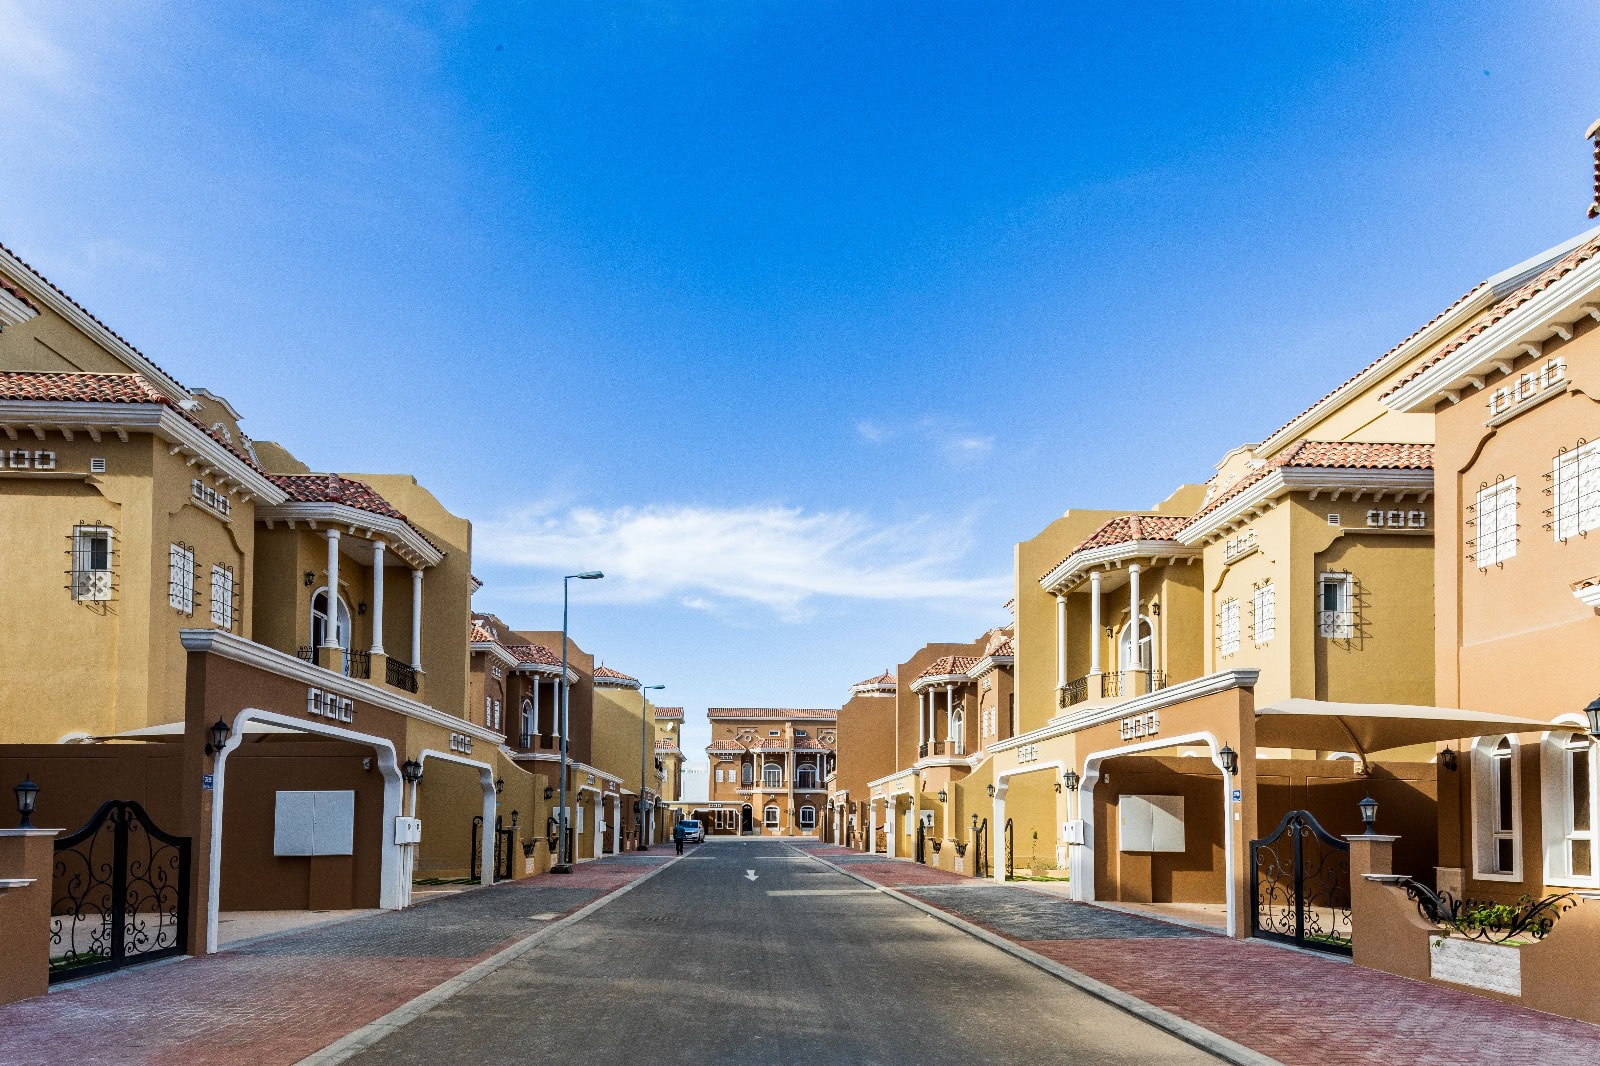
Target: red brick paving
[[236, 1008], [1299, 1008], [900, 874]]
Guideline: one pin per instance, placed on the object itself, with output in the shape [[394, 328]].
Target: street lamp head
[[587, 575]]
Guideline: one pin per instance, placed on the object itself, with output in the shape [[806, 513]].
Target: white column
[[1061, 640], [1094, 621], [922, 718], [891, 817], [997, 835], [872, 827], [1133, 610], [330, 631], [416, 619], [377, 597], [566, 702], [949, 713], [616, 822], [536, 688]]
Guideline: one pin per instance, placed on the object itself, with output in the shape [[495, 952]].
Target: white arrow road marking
[[750, 874]]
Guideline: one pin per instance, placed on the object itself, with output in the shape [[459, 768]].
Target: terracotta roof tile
[[477, 633], [1128, 528], [331, 488], [5, 283], [667, 746], [771, 712], [1000, 646], [885, 678], [605, 673], [1552, 274], [30, 269], [949, 664], [1338, 455], [675, 713], [535, 654], [725, 745], [50, 387]]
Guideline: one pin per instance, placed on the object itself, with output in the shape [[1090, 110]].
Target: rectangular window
[[488, 712], [1335, 606], [91, 564], [772, 777], [1266, 611], [719, 775], [1576, 489], [1504, 828], [180, 579], [1496, 523], [799, 734], [222, 596], [1228, 627], [1580, 808]]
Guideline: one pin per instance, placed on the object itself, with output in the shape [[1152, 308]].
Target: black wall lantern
[[411, 770], [27, 800], [548, 792], [1071, 780], [361, 608], [1447, 758], [944, 797], [1369, 814], [309, 578], [1230, 760], [1593, 711], [219, 734], [499, 785], [991, 792]]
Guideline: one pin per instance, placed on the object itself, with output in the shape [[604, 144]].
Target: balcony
[[1118, 684], [932, 747], [400, 675], [356, 663]]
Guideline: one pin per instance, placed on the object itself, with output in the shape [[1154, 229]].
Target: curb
[[352, 1044], [1182, 1028]]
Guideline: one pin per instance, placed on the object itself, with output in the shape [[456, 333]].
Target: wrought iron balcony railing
[[1123, 682], [400, 675]]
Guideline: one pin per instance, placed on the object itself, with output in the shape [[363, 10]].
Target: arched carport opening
[[452, 791], [332, 833]]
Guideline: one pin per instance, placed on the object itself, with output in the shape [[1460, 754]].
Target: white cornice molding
[[13, 310], [1588, 595], [1286, 479], [940, 679], [614, 682], [23, 275], [233, 647], [494, 650], [1182, 692], [1126, 552], [573, 765], [155, 418], [548, 671], [988, 663], [397, 532], [887, 778], [1532, 322]]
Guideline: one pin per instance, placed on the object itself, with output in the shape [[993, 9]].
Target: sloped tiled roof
[[885, 678], [331, 488], [478, 634], [1498, 311], [18, 294], [605, 673], [1336, 455], [535, 654], [1000, 645], [725, 745], [674, 713], [30, 269], [949, 664], [667, 747], [771, 712], [1127, 529]]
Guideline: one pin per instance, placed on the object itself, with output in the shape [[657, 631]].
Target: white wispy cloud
[[956, 442], [780, 558], [873, 432]]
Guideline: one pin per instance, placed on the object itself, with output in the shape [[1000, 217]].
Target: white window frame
[[1228, 627], [1264, 602], [771, 775], [1340, 623], [1575, 489], [720, 775], [1559, 750], [805, 772], [180, 579], [808, 823], [769, 815], [222, 596], [747, 775], [87, 584], [1496, 524], [1487, 766], [529, 726]]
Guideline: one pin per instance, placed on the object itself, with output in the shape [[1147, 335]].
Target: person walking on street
[[677, 836]]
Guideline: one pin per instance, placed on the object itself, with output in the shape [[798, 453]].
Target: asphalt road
[[802, 965]]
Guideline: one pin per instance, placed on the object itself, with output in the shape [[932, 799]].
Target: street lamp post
[[563, 863], [644, 754]]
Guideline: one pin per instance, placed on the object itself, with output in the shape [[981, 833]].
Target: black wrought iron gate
[[1300, 886], [980, 860], [1011, 867], [502, 848], [119, 894], [922, 843]]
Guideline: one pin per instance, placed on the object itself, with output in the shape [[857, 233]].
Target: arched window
[[808, 817], [806, 776], [747, 775], [772, 776], [527, 723], [958, 727], [1137, 654], [1571, 796], [769, 817], [319, 623], [1496, 812]]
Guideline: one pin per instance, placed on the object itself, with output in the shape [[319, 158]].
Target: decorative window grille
[[222, 596], [1496, 520], [719, 775], [1228, 627], [1575, 485], [747, 775], [1335, 606], [1417, 519], [90, 577], [1266, 613], [1374, 518], [180, 579]]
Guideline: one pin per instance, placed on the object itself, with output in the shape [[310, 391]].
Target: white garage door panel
[[314, 823], [1150, 823]]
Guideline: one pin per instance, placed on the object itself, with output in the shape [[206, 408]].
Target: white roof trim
[[493, 648], [940, 679], [227, 645], [1532, 321], [23, 275], [1110, 553], [393, 530], [1100, 713], [1286, 479], [155, 418]]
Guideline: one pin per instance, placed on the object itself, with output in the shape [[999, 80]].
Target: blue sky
[[793, 317]]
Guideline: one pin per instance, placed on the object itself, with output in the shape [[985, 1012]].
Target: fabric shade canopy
[[1369, 727]]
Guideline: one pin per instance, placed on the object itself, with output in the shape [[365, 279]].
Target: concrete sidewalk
[[279, 999], [1292, 1006]]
